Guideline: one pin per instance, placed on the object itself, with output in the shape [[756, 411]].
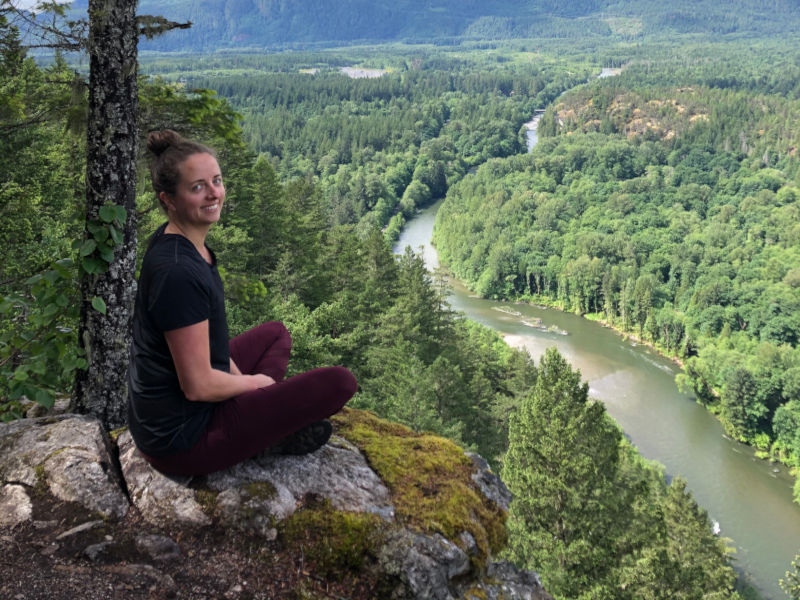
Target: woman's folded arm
[[199, 381]]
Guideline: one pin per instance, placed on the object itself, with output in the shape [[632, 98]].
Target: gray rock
[[488, 483], [160, 499], [468, 543], [68, 454], [95, 551], [268, 488], [424, 565], [33, 410], [69, 457], [504, 581], [257, 507], [15, 505], [158, 547]]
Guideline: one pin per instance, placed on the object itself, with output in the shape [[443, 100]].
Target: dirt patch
[[64, 554]]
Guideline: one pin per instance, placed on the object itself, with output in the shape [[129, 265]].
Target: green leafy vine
[[39, 353]]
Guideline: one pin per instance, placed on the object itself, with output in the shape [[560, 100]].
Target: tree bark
[[101, 390]]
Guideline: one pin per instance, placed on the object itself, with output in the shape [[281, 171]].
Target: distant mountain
[[285, 23]]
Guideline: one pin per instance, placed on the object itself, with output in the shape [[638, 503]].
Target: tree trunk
[[101, 390]]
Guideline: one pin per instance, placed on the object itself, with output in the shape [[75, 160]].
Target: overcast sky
[[24, 3]]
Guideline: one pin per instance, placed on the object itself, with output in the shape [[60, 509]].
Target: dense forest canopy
[[670, 212], [381, 147]]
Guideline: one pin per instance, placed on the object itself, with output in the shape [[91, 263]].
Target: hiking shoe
[[305, 440]]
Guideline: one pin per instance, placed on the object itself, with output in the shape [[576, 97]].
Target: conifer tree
[[561, 466], [701, 568]]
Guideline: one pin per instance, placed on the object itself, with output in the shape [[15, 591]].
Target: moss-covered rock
[[335, 541], [380, 509], [430, 479]]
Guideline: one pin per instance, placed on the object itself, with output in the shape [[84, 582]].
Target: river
[[750, 499]]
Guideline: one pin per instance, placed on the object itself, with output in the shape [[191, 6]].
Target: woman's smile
[[199, 195]]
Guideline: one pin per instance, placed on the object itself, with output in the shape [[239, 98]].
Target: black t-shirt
[[177, 288]]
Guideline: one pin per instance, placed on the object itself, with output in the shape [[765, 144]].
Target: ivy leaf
[[120, 214], [100, 232], [107, 254], [87, 248], [99, 304], [116, 235], [39, 367], [44, 398], [93, 265], [107, 213]]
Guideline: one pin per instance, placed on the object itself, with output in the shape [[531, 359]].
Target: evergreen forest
[[669, 211], [663, 201]]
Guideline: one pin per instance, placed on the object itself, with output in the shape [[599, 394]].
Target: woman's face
[[199, 195]]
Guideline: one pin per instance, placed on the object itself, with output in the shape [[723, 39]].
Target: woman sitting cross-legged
[[198, 402]]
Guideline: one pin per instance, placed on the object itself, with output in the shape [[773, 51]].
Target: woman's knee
[[343, 381], [277, 331]]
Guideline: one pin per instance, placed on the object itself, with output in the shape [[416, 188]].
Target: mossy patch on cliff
[[207, 499], [335, 541], [263, 490], [430, 479]]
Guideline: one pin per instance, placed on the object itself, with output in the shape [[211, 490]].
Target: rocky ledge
[[378, 512]]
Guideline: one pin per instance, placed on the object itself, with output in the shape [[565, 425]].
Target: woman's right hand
[[262, 380]]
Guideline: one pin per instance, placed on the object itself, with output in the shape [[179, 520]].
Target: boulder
[[69, 456], [257, 493], [490, 485], [383, 472], [161, 500], [424, 565], [336, 472], [15, 505]]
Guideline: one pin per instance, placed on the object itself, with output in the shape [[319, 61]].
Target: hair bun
[[159, 141]]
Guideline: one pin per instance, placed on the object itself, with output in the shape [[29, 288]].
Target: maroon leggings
[[244, 425]]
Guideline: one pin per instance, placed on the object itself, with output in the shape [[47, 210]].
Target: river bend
[[750, 499]]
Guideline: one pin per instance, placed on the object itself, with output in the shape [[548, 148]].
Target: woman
[[198, 403]]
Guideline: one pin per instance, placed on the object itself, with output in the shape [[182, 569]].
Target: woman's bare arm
[[235, 369], [199, 381]]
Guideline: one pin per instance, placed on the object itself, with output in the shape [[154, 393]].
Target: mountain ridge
[[280, 24]]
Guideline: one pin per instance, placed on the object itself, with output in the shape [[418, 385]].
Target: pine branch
[[152, 26], [59, 34]]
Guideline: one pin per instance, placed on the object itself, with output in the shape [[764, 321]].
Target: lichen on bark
[[101, 390]]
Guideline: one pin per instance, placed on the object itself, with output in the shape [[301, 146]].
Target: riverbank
[[544, 302]]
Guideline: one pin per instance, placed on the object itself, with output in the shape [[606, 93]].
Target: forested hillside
[[669, 212], [380, 148], [285, 23]]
